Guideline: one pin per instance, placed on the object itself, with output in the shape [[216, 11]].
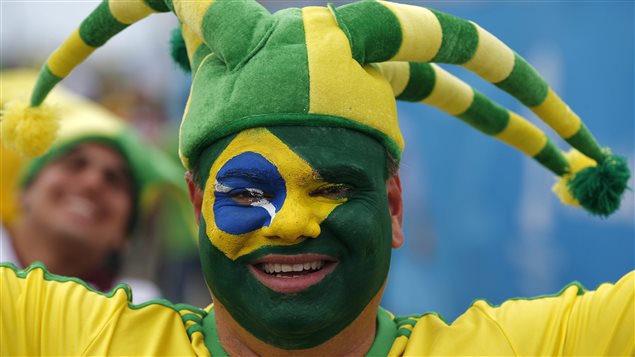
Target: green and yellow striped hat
[[344, 67]]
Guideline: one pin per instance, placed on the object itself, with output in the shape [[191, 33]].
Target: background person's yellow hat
[[156, 177], [340, 67]]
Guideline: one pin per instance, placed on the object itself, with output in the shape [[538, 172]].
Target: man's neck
[[354, 340], [31, 244]]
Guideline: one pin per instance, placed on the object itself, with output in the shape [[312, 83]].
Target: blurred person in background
[[77, 208]]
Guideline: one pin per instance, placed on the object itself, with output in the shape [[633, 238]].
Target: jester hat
[[155, 176], [344, 67]]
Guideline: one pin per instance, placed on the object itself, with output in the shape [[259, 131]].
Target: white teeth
[[81, 206], [272, 268]]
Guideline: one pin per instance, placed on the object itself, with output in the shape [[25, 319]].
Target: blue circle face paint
[[248, 192]]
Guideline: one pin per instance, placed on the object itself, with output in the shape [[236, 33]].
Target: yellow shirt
[[573, 322], [45, 314]]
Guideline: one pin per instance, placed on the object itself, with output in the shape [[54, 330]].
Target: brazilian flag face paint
[[260, 193], [295, 233]]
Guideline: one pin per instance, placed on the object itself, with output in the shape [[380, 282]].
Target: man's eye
[[74, 162], [119, 180], [249, 196], [333, 192]]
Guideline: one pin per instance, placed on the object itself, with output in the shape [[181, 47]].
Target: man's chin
[[77, 235], [298, 321]]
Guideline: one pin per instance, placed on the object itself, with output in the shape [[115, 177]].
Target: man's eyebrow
[[339, 171], [74, 151], [252, 174]]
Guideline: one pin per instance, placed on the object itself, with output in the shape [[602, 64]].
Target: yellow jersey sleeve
[[574, 322], [45, 314]]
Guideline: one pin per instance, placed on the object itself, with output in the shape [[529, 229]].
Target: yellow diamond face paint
[[259, 193]]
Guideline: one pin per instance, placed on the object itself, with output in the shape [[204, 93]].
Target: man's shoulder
[[93, 322], [37, 278], [510, 328]]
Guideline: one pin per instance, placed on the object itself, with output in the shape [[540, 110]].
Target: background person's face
[[85, 195], [309, 200]]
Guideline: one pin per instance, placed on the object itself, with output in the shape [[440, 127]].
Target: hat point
[[599, 188], [29, 131], [178, 50]]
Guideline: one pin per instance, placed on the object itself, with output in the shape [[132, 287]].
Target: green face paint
[[355, 236]]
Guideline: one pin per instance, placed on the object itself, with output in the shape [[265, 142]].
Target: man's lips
[[290, 274], [81, 207]]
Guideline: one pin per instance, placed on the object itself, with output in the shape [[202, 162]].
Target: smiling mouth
[[291, 270], [292, 273], [81, 207]]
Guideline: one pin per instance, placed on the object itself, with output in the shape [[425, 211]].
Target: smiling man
[[292, 144], [298, 217], [76, 208], [76, 213]]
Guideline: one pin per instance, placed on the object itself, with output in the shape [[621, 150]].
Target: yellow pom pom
[[561, 189], [29, 130], [577, 162]]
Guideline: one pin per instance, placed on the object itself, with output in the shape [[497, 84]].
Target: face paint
[[248, 193], [260, 192], [342, 170]]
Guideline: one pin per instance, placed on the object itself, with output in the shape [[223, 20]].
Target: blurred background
[[480, 219]]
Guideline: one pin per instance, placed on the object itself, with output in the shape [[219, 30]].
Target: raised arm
[[574, 322]]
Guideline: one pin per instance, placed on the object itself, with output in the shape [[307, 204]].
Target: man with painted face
[[291, 140], [293, 220]]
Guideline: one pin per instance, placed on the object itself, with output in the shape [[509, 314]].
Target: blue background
[[480, 219]]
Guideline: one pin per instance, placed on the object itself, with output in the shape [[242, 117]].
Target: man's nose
[[91, 178], [294, 222]]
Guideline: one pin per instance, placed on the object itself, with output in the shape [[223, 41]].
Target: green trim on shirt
[[385, 334], [211, 335]]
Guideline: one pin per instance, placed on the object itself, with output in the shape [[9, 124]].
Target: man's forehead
[[89, 148], [327, 150], [100, 153]]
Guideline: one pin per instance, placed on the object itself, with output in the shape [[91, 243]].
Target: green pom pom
[[178, 50], [599, 188]]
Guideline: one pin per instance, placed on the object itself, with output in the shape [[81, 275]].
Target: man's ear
[[196, 195], [395, 205]]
